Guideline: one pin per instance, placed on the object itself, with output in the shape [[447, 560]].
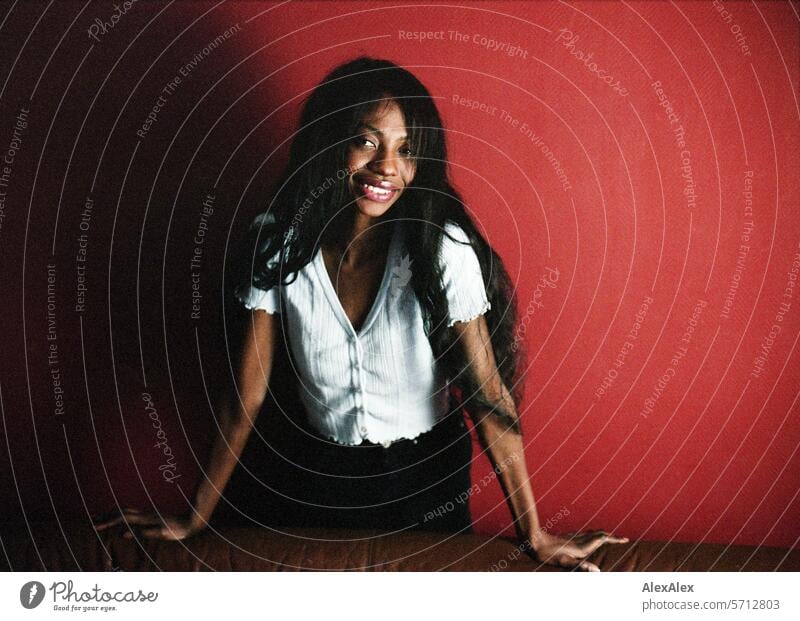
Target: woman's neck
[[357, 238]]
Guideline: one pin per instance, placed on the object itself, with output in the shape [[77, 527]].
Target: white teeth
[[372, 188]]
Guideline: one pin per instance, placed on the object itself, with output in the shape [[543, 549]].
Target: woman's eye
[[364, 142], [406, 151]]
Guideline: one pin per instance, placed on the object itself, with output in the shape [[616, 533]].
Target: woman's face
[[380, 160]]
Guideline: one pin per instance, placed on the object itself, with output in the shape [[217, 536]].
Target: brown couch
[[295, 549]]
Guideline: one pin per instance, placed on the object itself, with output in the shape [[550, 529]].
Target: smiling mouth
[[374, 190]]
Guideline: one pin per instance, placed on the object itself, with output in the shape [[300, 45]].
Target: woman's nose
[[384, 164]]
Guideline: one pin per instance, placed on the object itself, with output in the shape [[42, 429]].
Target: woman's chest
[[357, 289], [388, 343]]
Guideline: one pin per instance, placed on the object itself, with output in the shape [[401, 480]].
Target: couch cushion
[[309, 549]]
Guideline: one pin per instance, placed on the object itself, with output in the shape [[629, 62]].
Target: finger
[[126, 515], [612, 539], [147, 533], [589, 542], [143, 519], [116, 513], [569, 561], [588, 547], [157, 532], [107, 520], [606, 536], [108, 523], [587, 566], [136, 520], [590, 535]]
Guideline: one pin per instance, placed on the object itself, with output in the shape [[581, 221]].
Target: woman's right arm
[[237, 413]]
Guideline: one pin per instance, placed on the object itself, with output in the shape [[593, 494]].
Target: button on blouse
[[380, 383]]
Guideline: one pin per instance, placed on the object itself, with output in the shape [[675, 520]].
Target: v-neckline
[[380, 296]]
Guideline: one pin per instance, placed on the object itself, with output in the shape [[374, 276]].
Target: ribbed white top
[[381, 383]]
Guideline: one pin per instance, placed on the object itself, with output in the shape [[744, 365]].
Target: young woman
[[397, 313]]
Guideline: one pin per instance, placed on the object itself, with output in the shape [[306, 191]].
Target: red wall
[[673, 420]]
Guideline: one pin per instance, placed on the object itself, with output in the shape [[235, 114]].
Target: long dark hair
[[313, 190]]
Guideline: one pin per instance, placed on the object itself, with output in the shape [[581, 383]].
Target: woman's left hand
[[570, 551], [151, 525]]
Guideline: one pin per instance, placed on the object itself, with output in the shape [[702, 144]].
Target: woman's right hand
[[570, 550], [152, 525]]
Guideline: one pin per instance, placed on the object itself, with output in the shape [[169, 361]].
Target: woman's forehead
[[386, 116]]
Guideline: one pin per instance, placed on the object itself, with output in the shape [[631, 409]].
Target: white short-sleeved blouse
[[381, 383]]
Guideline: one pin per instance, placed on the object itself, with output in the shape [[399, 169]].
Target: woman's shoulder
[[265, 226], [456, 246], [454, 230], [457, 254], [462, 275], [267, 259]]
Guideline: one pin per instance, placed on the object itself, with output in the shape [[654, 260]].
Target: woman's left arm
[[506, 453]]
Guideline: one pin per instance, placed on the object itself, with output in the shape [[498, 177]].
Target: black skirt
[[413, 484]]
